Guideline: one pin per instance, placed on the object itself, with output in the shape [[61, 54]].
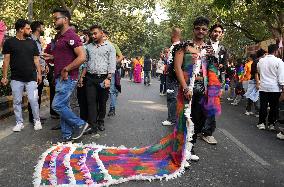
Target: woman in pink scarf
[[137, 73]]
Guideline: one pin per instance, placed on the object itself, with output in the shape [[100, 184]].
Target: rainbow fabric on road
[[97, 165]]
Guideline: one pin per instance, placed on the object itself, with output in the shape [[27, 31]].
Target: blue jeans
[[113, 92], [172, 91], [148, 75], [17, 92], [61, 104]]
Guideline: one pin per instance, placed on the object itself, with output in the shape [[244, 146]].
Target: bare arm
[[38, 69], [119, 58], [178, 60], [5, 67], [81, 58]]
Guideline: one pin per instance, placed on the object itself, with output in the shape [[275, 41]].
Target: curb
[[6, 103]]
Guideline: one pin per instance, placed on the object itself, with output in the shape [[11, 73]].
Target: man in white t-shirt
[[271, 72]]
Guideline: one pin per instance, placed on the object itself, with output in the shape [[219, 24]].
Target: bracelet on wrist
[[185, 90]]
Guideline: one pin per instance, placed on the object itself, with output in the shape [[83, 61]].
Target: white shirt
[[215, 46], [271, 71], [171, 51]]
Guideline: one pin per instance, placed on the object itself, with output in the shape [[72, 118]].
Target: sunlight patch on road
[[142, 102], [158, 107], [6, 132]]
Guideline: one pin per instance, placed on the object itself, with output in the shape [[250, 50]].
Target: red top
[[64, 52]]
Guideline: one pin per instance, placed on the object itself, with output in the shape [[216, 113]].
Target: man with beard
[[101, 65], [22, 54], [37, 32], [201, 94], [68, 56], [220, 59]]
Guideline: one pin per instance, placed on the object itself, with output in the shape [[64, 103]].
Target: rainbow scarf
[[97, 165], [211, 102]]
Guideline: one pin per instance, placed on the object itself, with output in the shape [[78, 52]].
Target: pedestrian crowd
[[258, 79], [83, 62], [87, 63]]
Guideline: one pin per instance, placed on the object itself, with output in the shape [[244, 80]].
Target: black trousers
[[82, 100], [39, 88], [273, 99], [197, 114], [51, 80], [163, 84], [96, 99]]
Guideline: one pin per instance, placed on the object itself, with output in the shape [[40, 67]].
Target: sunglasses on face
[[201, 29], [57, 18]]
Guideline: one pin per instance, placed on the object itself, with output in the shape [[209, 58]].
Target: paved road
[[244, 156]]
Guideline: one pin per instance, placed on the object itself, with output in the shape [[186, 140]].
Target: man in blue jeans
[[68, 56], [113, 91]]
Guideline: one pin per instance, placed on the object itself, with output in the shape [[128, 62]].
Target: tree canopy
[[132, 27]]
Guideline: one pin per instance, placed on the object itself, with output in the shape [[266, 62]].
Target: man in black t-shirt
[[22, 54]]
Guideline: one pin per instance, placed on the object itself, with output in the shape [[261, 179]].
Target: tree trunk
[[30, 10]]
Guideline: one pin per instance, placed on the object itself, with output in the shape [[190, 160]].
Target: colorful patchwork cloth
[[97, 165]]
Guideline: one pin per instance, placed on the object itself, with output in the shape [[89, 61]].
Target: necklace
[[198, 46]]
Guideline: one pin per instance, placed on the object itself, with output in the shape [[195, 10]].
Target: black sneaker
[[55, 116], [67, 139], [111, 112], [80, 131], [56, 127], [88, 131], [101, 126]]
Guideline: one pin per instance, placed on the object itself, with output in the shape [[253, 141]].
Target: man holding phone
[[101, 64]]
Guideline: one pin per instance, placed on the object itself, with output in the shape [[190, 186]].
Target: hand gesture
[[39, 79], [107, 83], [4, 81], [46, 69], [281, 98], [257, 85], [80, 83], [64, 74]]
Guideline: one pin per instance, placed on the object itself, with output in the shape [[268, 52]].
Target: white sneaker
[[280, 136], [256, 115], [230, 99], [167, 123], [247, 113], [37, 125], [18, 127], [194, 158], [271, 127], [234, 104], [261, 126], [186, 165], [209, 139]]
